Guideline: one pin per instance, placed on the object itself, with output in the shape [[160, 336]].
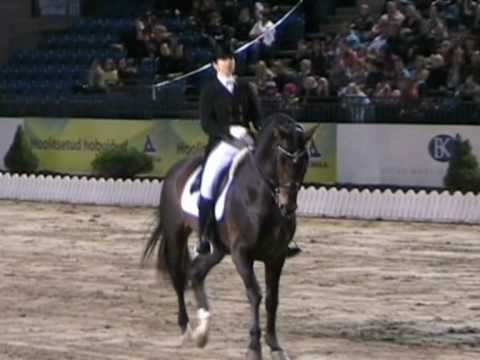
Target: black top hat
[[222, 51]]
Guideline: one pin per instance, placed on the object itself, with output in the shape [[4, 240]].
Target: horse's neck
[[265, 159]]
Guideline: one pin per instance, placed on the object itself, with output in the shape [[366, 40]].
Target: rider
[[228, 106]]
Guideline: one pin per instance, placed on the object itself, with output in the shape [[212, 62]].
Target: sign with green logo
[[70, 145]]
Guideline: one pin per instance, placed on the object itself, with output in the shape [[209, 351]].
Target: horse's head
[[289, 157]]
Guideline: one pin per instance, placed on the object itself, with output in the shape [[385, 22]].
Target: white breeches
[[218, 160]]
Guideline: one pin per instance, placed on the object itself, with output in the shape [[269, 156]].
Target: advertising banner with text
[[405, 155], [70, 145]]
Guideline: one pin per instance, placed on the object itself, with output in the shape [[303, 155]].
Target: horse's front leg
[[244, 265], [273, 271]]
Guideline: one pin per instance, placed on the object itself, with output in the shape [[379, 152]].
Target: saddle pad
[[189, 200]]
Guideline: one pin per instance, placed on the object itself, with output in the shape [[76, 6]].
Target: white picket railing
[[322, 202]]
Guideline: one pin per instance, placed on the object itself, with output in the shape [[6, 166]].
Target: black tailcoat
[[219, 109]]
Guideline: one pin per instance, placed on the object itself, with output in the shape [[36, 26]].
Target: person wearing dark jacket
[[228, 107]]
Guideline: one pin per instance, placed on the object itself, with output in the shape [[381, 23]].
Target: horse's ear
[[310, 132]]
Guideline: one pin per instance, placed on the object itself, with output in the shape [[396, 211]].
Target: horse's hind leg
[[199, 269], [179, 264]]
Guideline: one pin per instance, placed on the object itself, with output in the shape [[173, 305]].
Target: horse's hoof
[[200, 338], [254, 355], [280, 355], [186, 336], [200, 334]]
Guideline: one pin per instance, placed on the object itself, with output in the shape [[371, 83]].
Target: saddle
[[191, 191]]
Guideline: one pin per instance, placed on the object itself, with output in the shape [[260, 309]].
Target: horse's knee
[[255, 296]]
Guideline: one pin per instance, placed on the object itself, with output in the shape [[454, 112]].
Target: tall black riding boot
[[205, 221]]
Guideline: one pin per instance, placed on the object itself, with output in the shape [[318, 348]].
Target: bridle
[[275, 186]]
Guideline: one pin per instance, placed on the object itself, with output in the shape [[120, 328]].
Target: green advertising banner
[[70, 145]]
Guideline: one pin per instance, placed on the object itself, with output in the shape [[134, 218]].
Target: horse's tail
[[173, 255], [155, 237]]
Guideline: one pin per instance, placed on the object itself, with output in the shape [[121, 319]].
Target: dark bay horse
[[258, 224]]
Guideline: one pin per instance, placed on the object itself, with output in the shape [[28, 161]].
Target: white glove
[[238, 132]]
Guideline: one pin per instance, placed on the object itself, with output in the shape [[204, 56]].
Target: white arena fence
[[313, 202]]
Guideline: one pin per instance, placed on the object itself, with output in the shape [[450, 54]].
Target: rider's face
[[225, 66]]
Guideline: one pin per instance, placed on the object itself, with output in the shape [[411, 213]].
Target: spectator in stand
[[263, 75], [127, 71], [305, 69], [421, 79], [215, 28], [469, 90], [413, 19], [290, 96], [244, 25], [262, 49], [160, 36], [135, 41], [457, 71], [355, 101], [364, 22], [106, 76], [271, 94], [393, 14], [314, 88], [166, 61], [319, 58], [473, 67], [303, 52], [375, 74], [437, 79], [339, 76], [282, 74]]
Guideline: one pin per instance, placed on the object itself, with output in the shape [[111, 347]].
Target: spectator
[[393, 15], [413, 19], [166, 62], [456, 73], [355, 101], [263, 75], [319, 58], [469, 90], [313, 88], [422, 82], [271, 94], [375, 74], [160, 36], [474, 67], [282, 75], [364, 22], [127, 71], [106, 76], [264, 26], [244, 25], [437, 79], [290, 97], [303, 52]]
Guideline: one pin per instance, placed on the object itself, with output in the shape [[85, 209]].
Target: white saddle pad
[[189, 201]]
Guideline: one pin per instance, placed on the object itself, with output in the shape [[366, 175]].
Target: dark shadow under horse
[[258, 224]]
